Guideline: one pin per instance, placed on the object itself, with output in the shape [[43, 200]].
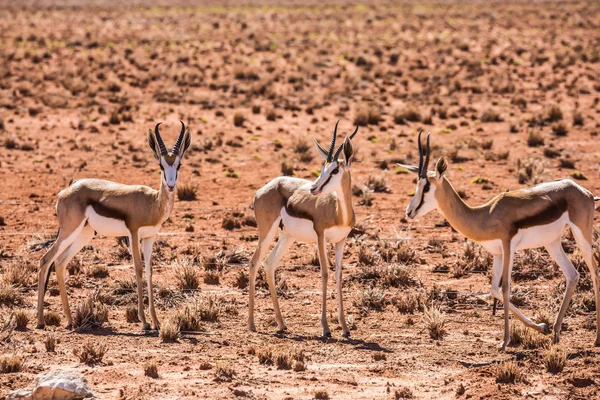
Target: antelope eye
[[426, 188], [335, 171]]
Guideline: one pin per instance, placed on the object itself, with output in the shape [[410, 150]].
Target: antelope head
[[333, 168], [169, 161]]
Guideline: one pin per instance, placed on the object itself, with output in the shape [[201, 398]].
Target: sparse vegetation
[[186, 191], [169, 331], [90, 314], [555, 359], [508, 372], [435, 321], [151, 369], [10, 364], [186, 274], [90, 352]]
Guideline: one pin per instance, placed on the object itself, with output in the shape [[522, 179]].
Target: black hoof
[[327, 335], [346, 335], [69, 327], [41, 326]]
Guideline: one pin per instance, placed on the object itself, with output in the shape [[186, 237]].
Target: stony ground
[[510, 93]]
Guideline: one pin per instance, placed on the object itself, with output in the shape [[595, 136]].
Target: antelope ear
[[348, 151], [440, 168], [320, 149], [187, 141], [410, 168], [153, 144]]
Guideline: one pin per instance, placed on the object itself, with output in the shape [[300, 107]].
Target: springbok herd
[[321, 212]]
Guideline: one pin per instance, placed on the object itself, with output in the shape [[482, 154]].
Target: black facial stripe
[[326, 182], [422, 198]]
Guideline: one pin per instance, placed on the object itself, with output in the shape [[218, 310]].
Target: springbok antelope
[[515, 220], [319, 211], [90, 206]]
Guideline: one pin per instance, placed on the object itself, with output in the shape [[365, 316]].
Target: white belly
[[336, 233], [106, 226], [300, 229], [531, 238], [538, 236]]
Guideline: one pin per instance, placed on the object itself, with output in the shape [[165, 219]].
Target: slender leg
[[339, 255], [64, 240], [134, 241], [556, 251], [587, 251], [86, 235], [507, 259], [496, 276], [324, 276], [147, 248], [259, 255], [283, 244]]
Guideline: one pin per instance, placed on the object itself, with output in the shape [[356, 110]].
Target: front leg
[[147, 247], [322, 247], [507, 258], [339, 255], [137, 265]]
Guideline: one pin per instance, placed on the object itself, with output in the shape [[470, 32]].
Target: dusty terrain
[[510, 93]]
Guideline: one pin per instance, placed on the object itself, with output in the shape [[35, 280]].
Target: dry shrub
[[169, 331], [409, 114], [186, 191], [370, 298], [151, 369], [530, 339], [321, 395], [131, 314], [186, 274], [554, 113], [378, 184], [90, 353], [399, 251], [491, 115], [435, 321], [408, 303], [559, 129], [9, 295], [99, 271], [530, 170], [17, 275], [238, 119], [50, 342], [577, 118], [403, 393], [211, 277], [366, 255], [367, 115], [555, 359], [90, 314], [224, 373], [508, 372], [21, 319], [397, 276], [188, 319], [283, 357], [10, 364], [535, 138], [52, 318], [209, 309], [301, 145], [287, 168], [241, 280]]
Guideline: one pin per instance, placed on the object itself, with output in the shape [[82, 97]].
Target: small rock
[[60, 384]]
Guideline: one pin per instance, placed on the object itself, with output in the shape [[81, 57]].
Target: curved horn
[[427, 154], [332, 146], [354, 133], [161, 144], [420, 154], [179, 139], [339, 149]]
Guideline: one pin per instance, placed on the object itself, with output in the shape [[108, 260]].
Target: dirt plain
[[509, 91]]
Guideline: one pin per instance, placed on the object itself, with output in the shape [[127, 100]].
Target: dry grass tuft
[[408, 303], [151, 369], [535, 138], [409, 114], [508, 372], [321, 395], [238, 119], [530, 339], [9, 295], [186, 191], [186, 274], [367, 115], [491, 115], [90, 314], [131, 314], [241, 280], [370, 298], [435, 321], [10, 364], [378, 184], [555, 359], [403, 393], [21, 319], [169, 331], [50, 342], [90, 353], [52, 318], [188, 319], [224, 373], [554, 113], [559, 129]]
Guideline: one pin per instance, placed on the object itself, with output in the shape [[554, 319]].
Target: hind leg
[[86, 235], [66, 236], [264, 241], [586, 248]]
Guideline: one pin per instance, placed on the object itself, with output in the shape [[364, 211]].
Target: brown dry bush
[[378, 184], [131, 314], [409, 114], [241, 280], [554, 113], [186, 191], [224, 373], [99, 271], [435, 321], [399, 251], [577, 118], [21, 319], [50, 342], [212, 277], [188, 319], [10, 364], [530, 339], [9, 295], [491, 115], [403, 393], [52, 318], [367, 115], [151, 369], [409, 303], [186, 274], [321, 395], [169, 331], [90, 314], [559, 129], [370, 298], [508, 372], [238, 119], [90, 352], [535, 138], [555, 359]]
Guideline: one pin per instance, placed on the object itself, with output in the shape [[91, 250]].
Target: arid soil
[[510, 94]]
